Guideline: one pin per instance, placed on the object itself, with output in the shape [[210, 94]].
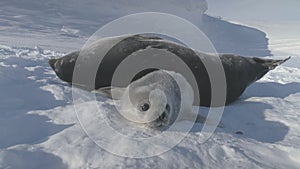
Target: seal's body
[[240, 71]]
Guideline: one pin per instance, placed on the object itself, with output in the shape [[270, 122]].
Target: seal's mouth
[[162, 120], [163, 117]]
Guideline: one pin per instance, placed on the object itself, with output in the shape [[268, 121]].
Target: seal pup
[[156, 100], [240, 71]]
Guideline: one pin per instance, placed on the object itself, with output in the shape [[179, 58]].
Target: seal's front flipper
[[111, 92]]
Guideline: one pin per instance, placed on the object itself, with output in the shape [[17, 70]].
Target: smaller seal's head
[[154, 100], [64, 67]]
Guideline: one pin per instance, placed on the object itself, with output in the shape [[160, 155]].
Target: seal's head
[[64, 67], [155, 100]]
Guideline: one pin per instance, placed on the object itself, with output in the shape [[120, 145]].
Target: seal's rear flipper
[[270, 63]]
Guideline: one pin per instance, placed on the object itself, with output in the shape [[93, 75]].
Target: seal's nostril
[[163, 116]]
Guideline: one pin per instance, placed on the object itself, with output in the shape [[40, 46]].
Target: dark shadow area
[[233, 38], [246, 118], [21, 159], [271, 89], [20, 96]]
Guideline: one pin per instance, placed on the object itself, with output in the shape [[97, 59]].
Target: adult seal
[[240, 71]]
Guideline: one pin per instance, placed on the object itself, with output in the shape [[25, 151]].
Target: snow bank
[[96, 12], [70, 22]]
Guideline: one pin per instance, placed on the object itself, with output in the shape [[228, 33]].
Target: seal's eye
[[144, 107]]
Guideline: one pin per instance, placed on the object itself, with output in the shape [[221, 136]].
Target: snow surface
[[38, 125]]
